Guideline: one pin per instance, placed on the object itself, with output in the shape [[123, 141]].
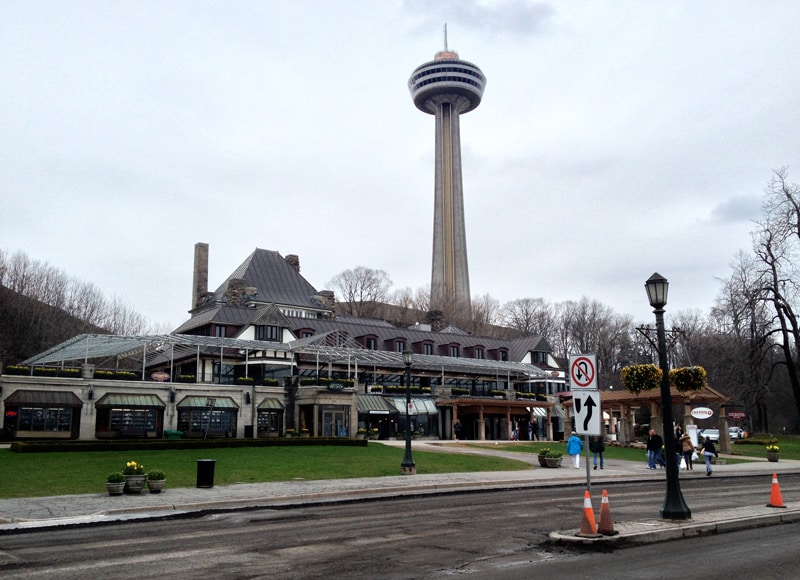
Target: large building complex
[[265, 355], [448, 87]]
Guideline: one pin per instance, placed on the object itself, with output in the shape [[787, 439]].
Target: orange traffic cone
[[775, 499], [588, 525], [606, 526]]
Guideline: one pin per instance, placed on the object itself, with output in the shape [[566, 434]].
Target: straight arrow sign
[[587, 419]]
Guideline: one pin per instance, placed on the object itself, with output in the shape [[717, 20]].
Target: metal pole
[[674, 507], [408, 467]]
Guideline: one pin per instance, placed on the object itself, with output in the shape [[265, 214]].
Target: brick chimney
[[200, 274]]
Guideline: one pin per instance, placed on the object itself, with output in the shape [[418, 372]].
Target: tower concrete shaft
[[447, 87]]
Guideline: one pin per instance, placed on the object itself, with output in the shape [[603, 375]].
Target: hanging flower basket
[[688, 379], [638, 378]]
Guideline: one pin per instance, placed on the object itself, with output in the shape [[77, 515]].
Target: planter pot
[[134, 483], [305, 434], [542, 460], [773, 457], [115, 488], [553, 461], [361, 436], [155, 485]]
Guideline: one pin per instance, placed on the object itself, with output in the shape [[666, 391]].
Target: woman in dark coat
[[598, 447]]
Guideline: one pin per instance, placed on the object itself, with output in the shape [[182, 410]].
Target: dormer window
[[399, 345], [268, 333], [454, 351], [479, 353], [539, 357]]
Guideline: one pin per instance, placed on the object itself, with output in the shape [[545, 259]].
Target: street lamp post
[[408, 467], [674, 507]]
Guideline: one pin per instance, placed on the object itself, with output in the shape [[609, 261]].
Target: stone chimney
[[236, 293], [327, 298], [200, 275], [294, 261]]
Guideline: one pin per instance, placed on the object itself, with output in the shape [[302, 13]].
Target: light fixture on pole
[[674, 507], [408, 467]]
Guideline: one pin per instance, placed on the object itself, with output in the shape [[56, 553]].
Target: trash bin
[[172, 435], [205, 472]]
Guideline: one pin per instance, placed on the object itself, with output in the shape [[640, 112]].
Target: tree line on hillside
[[41, 306], [748, 342]]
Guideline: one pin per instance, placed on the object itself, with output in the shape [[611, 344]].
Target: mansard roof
[[358, 327]]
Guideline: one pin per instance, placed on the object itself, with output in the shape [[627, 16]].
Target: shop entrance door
[[333, 424]]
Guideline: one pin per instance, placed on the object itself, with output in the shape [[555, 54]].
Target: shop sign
[[702, 412]]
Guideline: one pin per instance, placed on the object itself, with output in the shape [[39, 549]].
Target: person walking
[[654, 445], [457, 429], [709, 451], [598, 447], [574, 448], [687, 449], [530, 430]]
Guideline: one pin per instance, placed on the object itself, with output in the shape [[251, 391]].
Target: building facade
[[264, 356]]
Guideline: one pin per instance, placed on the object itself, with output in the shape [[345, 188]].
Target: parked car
[[712, 434], [736, 433]]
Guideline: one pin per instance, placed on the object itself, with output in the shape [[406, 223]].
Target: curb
[[652, 531]]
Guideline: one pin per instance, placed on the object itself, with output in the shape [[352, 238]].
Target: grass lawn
[[75, 472]]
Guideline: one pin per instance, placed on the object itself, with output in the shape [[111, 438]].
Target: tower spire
[[445, 36]]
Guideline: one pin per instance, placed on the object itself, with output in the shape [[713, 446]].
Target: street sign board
[[587, 412], [583, 372]]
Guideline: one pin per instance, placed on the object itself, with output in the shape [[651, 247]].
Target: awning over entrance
[[43, 399], [539, 412], [270, 404], [375, 405], [195, 402], [129, 400], [418, 406]]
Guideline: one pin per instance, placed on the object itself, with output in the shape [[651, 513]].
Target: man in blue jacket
[[574, 448]]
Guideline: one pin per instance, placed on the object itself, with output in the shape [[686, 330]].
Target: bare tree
[[532, 316], [42, 306], [422, 298], [738, 350], [361, 290], [485, 313], [405, 314], [777, 248]]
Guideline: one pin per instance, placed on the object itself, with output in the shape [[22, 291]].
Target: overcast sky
[[614, 140]]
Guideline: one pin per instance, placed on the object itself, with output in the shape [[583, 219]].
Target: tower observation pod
[[447, 87]]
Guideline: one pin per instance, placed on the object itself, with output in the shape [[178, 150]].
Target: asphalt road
[[486, 534]]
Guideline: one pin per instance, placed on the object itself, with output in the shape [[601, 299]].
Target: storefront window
[[220, 422], [44, 419], [270, 422]]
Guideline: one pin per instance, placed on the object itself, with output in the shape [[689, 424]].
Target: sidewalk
[[17, 515]]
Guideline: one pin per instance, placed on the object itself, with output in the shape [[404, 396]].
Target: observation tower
[[447, 87]]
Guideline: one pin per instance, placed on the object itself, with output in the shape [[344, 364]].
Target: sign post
[[587, 412]]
